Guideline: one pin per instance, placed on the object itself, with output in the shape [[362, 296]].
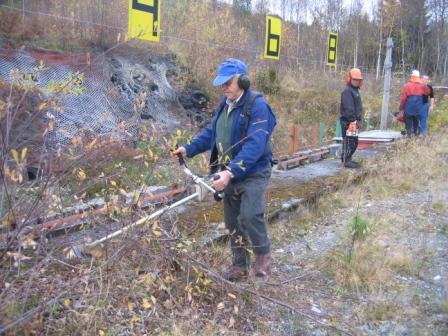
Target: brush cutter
[[196, 179], [83, 251]]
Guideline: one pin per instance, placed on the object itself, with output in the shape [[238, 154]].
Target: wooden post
[[301, 137], [293, 142]]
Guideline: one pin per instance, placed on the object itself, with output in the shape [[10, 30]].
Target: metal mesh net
[[112, 88]]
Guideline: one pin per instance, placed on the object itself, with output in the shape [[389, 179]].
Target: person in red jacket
[[411, 102]]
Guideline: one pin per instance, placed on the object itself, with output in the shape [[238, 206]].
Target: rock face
[[195, 102], [142, 84], [153, 82]]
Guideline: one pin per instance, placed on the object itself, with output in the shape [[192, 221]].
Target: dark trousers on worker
[[349, 143], [412, 124], [244, 207]]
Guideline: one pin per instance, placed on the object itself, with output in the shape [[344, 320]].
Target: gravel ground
[[412, 302]]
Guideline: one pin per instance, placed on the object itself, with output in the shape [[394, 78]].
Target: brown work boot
[[262, 264], [235, 273]]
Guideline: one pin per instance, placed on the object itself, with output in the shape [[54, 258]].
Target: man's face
[[231, 89], [355, 82]]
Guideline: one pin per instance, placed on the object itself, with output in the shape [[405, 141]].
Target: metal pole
[[23, 14], [387, 78], [321, 133]]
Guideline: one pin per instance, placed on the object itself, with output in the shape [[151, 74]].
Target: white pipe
[[142, 220], [198, 180]]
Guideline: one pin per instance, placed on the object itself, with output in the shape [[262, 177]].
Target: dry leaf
[[15, 155], [28, 243], [91, 144], [41, 106], [220, 305], [146, 304], [233, 296], [130, 306], [156, 233], [231, 322], [81, 175], [153, 299], [24, 151]]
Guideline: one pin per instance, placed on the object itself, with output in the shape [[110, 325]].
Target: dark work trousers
[[244, 206], [412, 124], [349, 143]]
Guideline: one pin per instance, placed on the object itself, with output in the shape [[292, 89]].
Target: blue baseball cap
[[229, 68]]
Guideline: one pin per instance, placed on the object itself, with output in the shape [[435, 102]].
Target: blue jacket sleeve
[[261, 124], [201, 142], [348, 106]]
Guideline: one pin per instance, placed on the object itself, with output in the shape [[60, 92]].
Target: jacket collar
[[242, 100]]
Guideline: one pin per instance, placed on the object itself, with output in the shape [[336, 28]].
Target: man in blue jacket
[[241, 156]]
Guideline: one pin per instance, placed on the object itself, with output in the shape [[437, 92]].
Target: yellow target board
[[273, 37], [144, 19], [332, 52]]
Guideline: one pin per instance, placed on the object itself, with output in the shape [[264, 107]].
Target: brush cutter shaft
[[143, 220], [198, 180]]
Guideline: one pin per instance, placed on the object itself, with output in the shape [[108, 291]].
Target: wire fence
[[98, 22], [108, 103]]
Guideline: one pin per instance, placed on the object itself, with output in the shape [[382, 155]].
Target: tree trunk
[[445, 65]]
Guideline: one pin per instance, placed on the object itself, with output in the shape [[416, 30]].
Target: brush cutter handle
[[181, 159], [218, 195]]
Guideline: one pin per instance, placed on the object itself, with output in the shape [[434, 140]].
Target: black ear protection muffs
[[244, 82]]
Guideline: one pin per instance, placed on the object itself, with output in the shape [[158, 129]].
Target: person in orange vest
[[411, 102], [351, 116]]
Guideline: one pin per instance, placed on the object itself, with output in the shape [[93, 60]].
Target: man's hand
[[181, 150], [223, 181]]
